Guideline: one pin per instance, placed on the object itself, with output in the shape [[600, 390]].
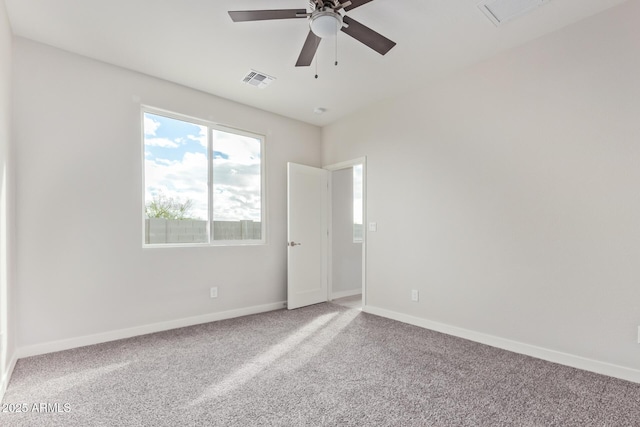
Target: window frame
[[210, 125]]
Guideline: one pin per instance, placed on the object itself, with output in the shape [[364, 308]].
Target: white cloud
[[241, 149], [182, 180], [150, 126], [161, 142], [164, 162], [201, 137], [236, 190]]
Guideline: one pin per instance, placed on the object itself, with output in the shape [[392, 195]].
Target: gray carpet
[[324, 365]]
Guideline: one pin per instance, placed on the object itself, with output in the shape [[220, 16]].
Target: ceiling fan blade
[[263, 15], [367, 36], [308, 50], [356, 3]]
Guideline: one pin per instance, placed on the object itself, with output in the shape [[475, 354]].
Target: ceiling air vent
[[501, 11], [258, 79]]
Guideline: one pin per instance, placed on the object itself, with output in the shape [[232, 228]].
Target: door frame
[[335, 167]]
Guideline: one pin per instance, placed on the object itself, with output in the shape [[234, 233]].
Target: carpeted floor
[[324, 365], [354, 301]]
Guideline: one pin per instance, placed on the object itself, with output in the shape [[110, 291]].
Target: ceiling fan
[[326, 18]]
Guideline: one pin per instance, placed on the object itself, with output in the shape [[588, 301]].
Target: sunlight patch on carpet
[[297, 348]]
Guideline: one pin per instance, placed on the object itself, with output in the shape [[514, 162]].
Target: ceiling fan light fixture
[[325, 23]]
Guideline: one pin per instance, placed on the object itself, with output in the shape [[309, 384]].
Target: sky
[[175, 155]]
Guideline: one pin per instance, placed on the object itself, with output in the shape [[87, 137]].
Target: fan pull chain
[[336, 64], [317, 56]]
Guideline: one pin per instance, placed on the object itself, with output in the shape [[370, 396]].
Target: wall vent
[[258, 79], [501, 11]]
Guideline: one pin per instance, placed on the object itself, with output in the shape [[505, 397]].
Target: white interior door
[[307, 235]]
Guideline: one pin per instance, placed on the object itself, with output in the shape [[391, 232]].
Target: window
[[203, 183], [358, 229]]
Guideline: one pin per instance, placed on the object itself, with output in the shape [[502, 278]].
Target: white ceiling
[[195, 43]]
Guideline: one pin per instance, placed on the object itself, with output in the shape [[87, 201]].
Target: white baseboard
[[344, 294], [6, 376], [66, 344], [571, 360]]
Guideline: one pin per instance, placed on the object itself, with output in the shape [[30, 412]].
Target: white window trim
[[215, 126]]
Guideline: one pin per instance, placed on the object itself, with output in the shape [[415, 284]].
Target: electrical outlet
[[213, 292], [414, 295]]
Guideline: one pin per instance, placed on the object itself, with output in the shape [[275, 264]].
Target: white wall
[[346, 260], [81, 269], [508, 194], [7, 346]]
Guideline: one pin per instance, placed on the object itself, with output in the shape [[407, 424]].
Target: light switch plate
[[373, 226]]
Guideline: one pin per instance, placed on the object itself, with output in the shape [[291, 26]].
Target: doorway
[[314, 273], [347, 247]]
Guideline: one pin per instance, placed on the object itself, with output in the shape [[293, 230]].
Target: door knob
[[294, 244]]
